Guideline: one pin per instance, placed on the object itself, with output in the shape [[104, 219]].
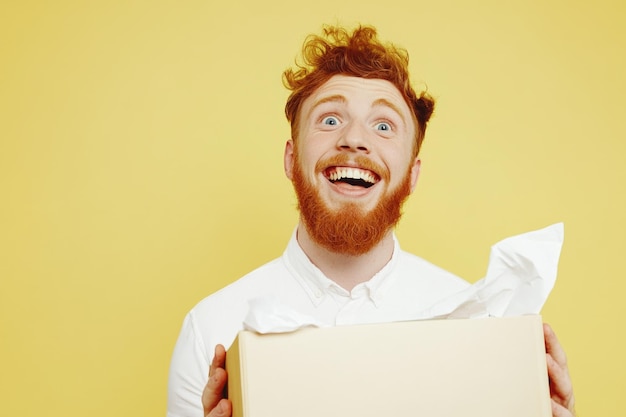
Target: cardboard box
[[492, 367]]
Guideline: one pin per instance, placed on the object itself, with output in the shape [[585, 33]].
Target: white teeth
[[353, 173]]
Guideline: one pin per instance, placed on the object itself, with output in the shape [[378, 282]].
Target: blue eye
[[330, 121], [383, 126]]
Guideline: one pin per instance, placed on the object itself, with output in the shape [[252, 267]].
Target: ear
[[415, 172], [288, 158]]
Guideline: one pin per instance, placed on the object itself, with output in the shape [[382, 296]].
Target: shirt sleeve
[[188, 372]]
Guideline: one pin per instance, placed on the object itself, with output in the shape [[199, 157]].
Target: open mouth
[[356, 177]]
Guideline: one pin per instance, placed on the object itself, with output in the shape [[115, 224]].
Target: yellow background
[[141, 169]]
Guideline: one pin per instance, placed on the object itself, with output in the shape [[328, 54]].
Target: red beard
[[348, 230]]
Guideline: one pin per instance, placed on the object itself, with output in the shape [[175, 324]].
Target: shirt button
[[318, 293]]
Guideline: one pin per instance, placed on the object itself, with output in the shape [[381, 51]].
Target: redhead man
[[356, 130]]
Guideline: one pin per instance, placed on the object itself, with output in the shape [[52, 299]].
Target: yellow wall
[[141, 169]]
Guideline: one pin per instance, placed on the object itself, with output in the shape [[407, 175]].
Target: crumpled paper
[[269, 315], [521, 273], [520, 276]]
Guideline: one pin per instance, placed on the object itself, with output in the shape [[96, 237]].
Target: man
[[356, 128]]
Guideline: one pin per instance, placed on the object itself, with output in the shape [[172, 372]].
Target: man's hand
[[215, 405], [561, 390]]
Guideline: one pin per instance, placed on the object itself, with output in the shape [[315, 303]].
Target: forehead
[[357, 91]]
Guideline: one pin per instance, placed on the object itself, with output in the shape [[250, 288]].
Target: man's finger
[[213, 390], [553, 347], [559, 411], [561, 389], [219, 359], [223, 409], [560, 382]]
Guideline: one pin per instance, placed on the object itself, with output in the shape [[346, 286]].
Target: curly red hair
[[359, 54]]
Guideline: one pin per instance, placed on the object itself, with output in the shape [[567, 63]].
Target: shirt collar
[[318, 286]]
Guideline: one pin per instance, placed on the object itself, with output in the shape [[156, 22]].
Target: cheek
[[400, 165], [309, 155], [304, 159]]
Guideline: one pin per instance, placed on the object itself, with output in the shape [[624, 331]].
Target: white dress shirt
[[406, 284]]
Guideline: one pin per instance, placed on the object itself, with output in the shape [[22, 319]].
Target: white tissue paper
[[521, 273], [268, 315]]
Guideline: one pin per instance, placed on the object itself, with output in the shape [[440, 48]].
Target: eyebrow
[[386, 103], [338, 98], [335, 98]]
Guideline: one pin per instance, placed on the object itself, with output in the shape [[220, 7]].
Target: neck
[[346, 270]]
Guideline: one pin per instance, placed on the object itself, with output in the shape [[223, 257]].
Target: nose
[[353, 138]]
